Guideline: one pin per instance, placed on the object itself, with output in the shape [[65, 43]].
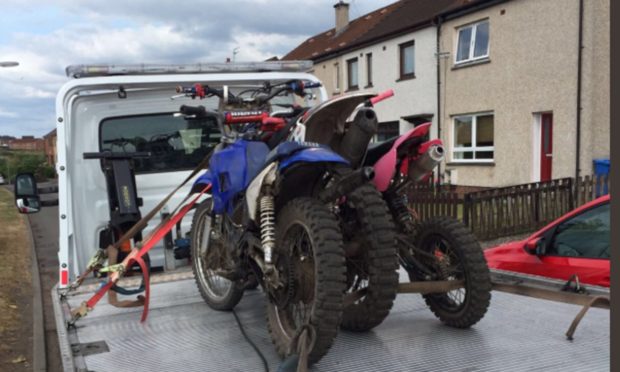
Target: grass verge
[[15, 288]]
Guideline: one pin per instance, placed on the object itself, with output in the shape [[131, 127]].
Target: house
[[4, 141], [50, 148], [26, 143], [511, 86], [518, 90], [390, 48]]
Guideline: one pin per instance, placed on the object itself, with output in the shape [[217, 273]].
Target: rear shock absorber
[[399, 206], [267, 227]]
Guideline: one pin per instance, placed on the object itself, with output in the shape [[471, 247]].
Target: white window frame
[[337, 77], [474, 147], [349, 62], [472, 43]]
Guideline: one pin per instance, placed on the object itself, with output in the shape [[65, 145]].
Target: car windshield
[[585, 235]]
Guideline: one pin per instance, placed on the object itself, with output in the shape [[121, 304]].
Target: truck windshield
[[174, 143]]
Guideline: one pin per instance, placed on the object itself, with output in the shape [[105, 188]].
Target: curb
[[39, 361]]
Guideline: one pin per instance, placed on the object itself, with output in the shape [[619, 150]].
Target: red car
[[574, 244]]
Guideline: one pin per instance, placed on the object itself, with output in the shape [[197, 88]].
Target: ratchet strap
[[136, 256], [97, 261]]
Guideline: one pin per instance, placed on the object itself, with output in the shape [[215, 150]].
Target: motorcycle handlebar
[[312, 84], [381, 96]]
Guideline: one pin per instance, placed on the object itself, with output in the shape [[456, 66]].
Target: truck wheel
[[218, 292], [310, 263], [458, 256], [368, 227]]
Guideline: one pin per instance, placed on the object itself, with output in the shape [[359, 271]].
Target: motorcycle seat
[[377, 150]]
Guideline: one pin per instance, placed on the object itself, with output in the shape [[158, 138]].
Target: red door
[[546, 146]]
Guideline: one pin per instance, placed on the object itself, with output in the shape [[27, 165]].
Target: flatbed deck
[[183, 334]]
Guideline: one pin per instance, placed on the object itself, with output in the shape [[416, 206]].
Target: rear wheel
[[372, 260], [208, 256], [310, 264], [457, 255]]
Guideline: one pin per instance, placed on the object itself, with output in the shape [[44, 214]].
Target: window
[[352, 73], [473, 138], [336, 77], [473, 42], [369, 69], [585, 235], [387, 130], [407, 59], [174, 143]]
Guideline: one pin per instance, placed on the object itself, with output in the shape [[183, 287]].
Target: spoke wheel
[[372, 264], [310, 265], [209, 256], [456, 255]]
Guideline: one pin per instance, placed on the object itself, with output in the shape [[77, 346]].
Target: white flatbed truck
[[183, 333]]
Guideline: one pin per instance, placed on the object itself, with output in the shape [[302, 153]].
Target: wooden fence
[[510, 210]]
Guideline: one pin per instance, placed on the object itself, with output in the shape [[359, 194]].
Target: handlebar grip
[[193, 110], [381, 96], [312, 84]]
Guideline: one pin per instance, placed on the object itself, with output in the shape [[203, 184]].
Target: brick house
[[27, 143], [50, 148]]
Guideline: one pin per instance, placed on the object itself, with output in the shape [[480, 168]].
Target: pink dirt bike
[[442, 257]]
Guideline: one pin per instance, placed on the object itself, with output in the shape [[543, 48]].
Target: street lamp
[[235, 51], [9, 64]]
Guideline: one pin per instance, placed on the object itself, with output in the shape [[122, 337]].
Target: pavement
[[44, 227]]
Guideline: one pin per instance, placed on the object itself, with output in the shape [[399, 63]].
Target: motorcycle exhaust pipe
[[426, 162], [355, 142], [347, 184]]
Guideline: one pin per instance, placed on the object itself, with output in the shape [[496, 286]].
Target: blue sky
[[45, 36]]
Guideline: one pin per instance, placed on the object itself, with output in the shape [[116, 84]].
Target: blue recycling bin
[[601, 169]]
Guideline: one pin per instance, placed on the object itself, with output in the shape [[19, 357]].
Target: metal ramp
[[183, 334]]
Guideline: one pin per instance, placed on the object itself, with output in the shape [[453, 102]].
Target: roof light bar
[[81, 71]]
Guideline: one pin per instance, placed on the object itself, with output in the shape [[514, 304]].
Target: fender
[[385, 168], [329, 117], [279, 160]]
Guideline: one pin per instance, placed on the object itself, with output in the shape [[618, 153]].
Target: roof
[[51, 133], [400, 17], [328, 41]]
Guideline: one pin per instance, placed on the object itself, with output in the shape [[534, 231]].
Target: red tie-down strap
[[136, 256]]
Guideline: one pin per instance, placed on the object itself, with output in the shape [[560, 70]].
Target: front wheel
[[310, 264], [208, 256], [456, 255]]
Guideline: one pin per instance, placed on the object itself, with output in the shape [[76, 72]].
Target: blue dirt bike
[[270, 219]]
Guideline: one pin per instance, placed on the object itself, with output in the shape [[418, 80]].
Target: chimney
[[342, 15]]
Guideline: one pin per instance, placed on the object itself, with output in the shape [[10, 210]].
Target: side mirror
[[28, 205], [26, 194], [535, 246]]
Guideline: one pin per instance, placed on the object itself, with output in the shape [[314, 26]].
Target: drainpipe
[[579, 56], [438, 56]]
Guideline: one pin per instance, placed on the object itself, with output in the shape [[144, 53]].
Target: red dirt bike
[[442, 257]]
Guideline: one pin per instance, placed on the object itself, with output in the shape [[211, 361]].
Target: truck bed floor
[[183, 334]]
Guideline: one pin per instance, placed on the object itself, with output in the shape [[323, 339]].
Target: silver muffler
[[426, 162]]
